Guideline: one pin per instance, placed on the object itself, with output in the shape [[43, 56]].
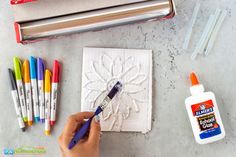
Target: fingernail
[[97, 119]]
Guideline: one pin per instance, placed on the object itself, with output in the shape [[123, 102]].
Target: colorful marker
[[33, 76], [55, 82], [20, 88], [16, 100], [47, 88], [26, 79], [40, 76]]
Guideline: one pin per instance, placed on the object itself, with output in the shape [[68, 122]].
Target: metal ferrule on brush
[[117, 87], [105, 102]]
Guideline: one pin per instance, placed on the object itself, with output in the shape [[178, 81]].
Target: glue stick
[[204, 114]]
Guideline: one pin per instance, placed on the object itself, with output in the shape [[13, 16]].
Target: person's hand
[[87, 147]]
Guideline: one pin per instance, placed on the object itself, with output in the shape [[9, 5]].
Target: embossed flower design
[[105, 72]]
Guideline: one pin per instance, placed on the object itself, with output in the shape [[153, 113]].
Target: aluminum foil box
[[38, 21], [13, 2]]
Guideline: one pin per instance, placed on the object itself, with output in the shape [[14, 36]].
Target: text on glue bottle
[[204, 114]]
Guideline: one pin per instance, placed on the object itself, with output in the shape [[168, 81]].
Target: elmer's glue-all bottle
[[204, 114]]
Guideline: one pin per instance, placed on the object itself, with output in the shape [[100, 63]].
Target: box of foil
[[13, 2], [38, 21]]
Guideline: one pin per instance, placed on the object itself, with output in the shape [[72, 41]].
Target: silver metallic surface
[[95, 20]]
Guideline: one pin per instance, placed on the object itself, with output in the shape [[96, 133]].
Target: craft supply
[[13, 2], [207, 39], [26, 80], [20, 88], [74, 16], [208, 35], [55, 82], [16, 100], [85, 128], [203, 37], [204, 114], [191, 24], [33, 77], [215, 31], [47, 101], [40, 77], [40, 87], [131, 111]]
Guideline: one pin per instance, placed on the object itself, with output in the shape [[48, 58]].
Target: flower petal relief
[[104, 73]]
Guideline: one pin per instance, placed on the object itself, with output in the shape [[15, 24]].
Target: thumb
[[95, 130]]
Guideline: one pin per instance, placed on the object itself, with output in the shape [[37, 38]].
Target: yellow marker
[[26, 80], [47, 88]]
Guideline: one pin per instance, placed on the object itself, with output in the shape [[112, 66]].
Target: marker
[[85, 128], [40, 76], [33, 76], [20, 88], [55, 82], [16, 100], [26, 80], [48, 75]]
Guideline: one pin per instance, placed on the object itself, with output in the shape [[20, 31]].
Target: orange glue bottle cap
[[194, 79], [196, 87]]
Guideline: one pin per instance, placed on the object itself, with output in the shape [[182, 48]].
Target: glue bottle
[[204, 114]]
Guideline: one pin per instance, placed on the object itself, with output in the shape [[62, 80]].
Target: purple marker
[[40, 75], [85, 128]]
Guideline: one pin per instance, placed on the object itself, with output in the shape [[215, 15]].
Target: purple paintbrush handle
[[81, 133], [83, 130]]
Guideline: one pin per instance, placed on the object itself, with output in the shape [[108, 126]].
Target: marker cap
[[17, 68], [47, 132], [56, 71], [30, 123], [25, 119], [42, 120], [36, 119], [40, 69], [48, 75], [26, 71], [52, 123], [33, 67], [12, 79]]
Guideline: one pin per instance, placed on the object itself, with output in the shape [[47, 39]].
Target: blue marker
[[40, 76], [33, 77], [85, 128]]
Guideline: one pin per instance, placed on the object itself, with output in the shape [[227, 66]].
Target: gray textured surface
[[171, 134]]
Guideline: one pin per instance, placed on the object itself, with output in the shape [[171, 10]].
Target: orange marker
[[27, 84]]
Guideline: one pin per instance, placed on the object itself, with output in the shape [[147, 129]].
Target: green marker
[[20, 88]]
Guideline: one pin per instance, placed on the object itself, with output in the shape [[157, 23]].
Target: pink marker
[[55, 82]]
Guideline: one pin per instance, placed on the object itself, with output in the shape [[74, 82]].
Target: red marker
[[55, 82]]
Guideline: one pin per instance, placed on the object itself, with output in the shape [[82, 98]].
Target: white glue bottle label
[[204, 114]]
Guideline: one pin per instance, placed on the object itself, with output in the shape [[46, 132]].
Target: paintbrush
[[85, 128]]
